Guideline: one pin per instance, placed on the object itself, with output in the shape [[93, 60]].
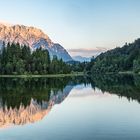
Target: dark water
[[94, 108]]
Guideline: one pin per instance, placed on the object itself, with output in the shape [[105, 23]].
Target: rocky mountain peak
[[32, 37]]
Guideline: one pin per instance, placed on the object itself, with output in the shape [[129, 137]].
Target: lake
[[93, 108]]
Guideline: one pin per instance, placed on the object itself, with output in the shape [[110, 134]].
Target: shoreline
[[43, 76], [117, 73]]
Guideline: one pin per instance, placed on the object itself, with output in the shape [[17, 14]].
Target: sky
[[83, 27]]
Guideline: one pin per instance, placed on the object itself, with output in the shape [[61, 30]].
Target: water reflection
[[122, 85], [25, 101], [22, 115], [29, 100]]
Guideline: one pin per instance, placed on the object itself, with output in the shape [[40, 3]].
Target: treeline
[[117, 60], [77, 66], [16, 59]]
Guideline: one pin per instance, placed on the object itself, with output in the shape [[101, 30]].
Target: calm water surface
[[99, 108]]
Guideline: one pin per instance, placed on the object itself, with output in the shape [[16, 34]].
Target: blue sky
[[82, 26]]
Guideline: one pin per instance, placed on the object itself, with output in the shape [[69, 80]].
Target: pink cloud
[[87, 52]]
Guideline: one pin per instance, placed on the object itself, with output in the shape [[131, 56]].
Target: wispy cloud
[[87, 52]]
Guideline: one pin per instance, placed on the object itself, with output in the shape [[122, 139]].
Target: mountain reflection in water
[[25, 101], [29, 100]]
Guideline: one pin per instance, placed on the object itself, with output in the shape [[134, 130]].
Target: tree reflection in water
[[29, 100], [122, 85]]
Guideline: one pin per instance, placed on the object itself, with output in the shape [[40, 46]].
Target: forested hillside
[[16, 59], [126, 58]]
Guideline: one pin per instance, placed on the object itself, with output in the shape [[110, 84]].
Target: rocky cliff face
[[32, 37]]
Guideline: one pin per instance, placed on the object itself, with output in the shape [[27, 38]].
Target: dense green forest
[[126, 58], [16, 59]]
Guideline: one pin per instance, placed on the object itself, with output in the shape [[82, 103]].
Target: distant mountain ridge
[[32, 37], [81, 58]]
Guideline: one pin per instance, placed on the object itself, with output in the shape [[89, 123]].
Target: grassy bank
[[47, 76], [116, 73], [123, 72]]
